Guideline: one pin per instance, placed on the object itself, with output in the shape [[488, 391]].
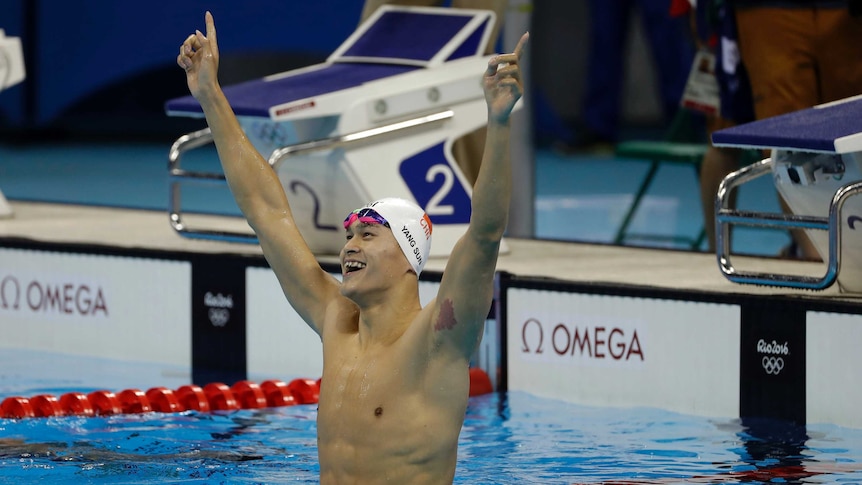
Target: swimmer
[[395, 380]]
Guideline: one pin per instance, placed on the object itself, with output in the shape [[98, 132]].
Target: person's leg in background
[[716, 164], [609, 28], [839, 56], [714, 30], [672, 46], [808, 56], [777, 48]]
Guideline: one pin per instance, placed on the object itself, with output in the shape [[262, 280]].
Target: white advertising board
[[621, 351], [832, 368], [130, 309]]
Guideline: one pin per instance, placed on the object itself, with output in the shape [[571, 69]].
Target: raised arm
[[466, 289], [255, 186]]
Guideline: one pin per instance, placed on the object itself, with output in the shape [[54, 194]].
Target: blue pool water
[[506, 439]]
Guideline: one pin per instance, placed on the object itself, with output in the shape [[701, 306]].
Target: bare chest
[[366, 382]]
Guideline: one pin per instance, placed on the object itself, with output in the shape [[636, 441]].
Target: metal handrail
[[726, 217], [356, 137], [197, 139]]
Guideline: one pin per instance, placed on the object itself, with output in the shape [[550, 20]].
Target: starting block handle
[[178, 175], [356, 137], [197, 139], [726, 217]]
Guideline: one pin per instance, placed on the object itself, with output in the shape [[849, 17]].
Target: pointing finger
[[211, 30], [519, 49]]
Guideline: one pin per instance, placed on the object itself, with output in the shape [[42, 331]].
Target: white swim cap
[[409, 224]]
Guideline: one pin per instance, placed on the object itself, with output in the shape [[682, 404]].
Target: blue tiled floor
[[578, 197], [585, 198]]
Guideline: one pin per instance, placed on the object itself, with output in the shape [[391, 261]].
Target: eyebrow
[[361, 225]]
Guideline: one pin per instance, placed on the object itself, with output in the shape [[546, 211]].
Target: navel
[[378, 412]]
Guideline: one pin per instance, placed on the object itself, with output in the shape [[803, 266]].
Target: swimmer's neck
[[385, 321]]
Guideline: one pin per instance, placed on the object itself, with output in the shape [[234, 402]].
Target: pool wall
[[709, 354]]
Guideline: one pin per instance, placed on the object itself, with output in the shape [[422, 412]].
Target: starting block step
[[816, 164]]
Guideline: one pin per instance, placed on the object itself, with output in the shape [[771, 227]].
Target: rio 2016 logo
[[773, 356], [218, 308]]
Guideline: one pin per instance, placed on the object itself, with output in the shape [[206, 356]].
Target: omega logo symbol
[[11, 299]]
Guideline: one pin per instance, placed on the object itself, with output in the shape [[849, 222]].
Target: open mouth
[[353, 266]]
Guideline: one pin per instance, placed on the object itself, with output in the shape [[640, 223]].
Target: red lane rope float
[[46, 405], [480, 383], [249, 395], [220, 396], [164, 400], [305, 391], [134, 401], [105, 402], [215, 396], [193, 398], [277, 393], [76, 404], [17, 407]]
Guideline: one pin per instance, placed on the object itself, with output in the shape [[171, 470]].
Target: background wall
[[560, 37], [106, 67]]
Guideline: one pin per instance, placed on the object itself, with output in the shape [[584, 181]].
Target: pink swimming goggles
[[366, 216]]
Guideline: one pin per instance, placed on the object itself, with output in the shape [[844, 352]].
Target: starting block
[[377, 119], [11, 73], [816, 165]]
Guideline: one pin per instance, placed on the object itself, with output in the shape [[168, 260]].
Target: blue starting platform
[[815, 160], [377, 119], [828, 128]]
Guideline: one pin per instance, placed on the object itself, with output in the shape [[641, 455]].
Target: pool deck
[[564, 261]]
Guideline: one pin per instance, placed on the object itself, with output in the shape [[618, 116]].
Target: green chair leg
[[635, 204]]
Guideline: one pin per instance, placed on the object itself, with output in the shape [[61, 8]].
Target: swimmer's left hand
[[503, 82]]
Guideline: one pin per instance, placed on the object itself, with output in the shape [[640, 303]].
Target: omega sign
[[603, 342], [44, 297]]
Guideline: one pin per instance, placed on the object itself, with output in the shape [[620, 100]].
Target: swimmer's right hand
[[199, 58]]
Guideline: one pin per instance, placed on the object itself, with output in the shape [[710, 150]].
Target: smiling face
[[371, 259]]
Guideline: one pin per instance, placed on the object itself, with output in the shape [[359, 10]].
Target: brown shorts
[[799, 57], [715, 123]]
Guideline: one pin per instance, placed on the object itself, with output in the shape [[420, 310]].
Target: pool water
[[507, 438]]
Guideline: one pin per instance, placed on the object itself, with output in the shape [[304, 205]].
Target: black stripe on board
[[772, 362]]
